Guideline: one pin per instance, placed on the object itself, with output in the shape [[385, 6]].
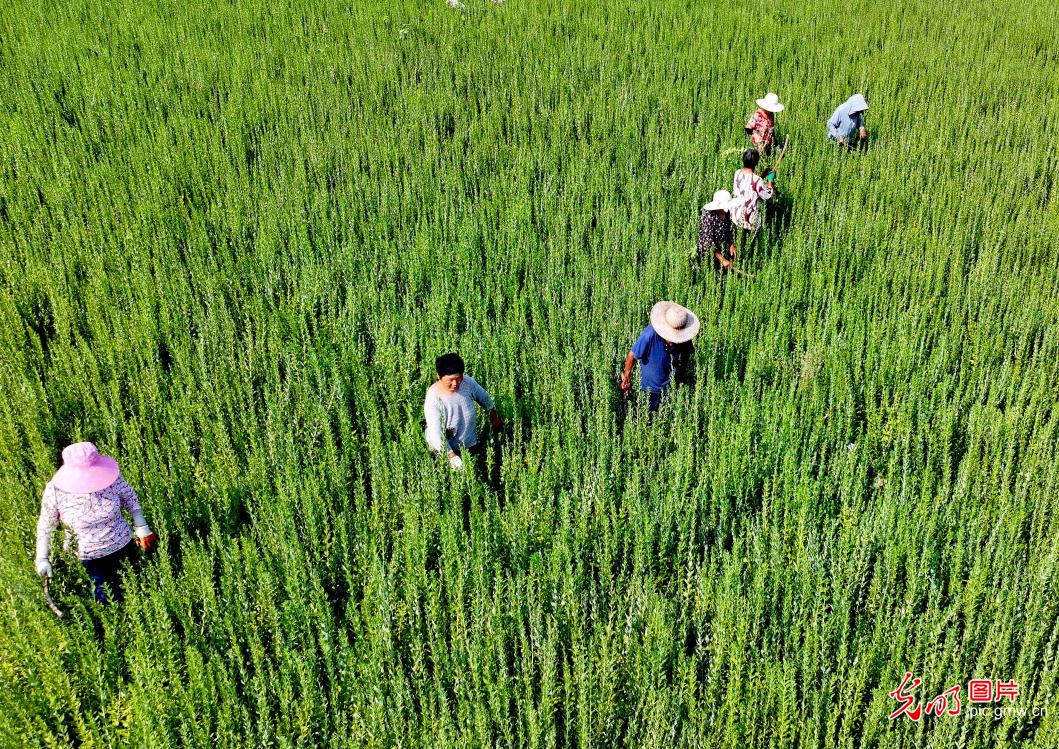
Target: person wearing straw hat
[[847, 121], [715, 232], [663, 348], [449, 409], [762, 123], [87, 495]]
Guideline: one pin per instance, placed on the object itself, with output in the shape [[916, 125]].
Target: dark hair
[[448, 364], [750, 158]]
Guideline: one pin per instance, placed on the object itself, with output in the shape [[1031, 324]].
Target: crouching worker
[[663, 348], [847, 122], [715, 232], [450, 411], [87, 495]]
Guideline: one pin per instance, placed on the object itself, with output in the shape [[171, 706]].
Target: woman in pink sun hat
[[87, 495]]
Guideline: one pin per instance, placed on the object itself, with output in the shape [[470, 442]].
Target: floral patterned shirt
[[715, 233], [748, 192], [760, 126], [95, 518]]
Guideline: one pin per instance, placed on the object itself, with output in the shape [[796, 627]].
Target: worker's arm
[[833, 124], [483, 399], [626, 374], [46, 524], [145, 537], [435, 434]]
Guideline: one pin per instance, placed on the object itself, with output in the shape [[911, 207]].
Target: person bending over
[[847, 122], [715, 232]]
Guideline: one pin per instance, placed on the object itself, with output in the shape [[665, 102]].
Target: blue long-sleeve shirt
[[847, 119]]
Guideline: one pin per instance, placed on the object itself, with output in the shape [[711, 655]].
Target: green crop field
[[234, 236]]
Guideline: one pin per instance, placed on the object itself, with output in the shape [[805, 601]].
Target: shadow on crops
[[778, 215], [624, 404], [39, 316], [486, 458], [226, 517], [729, 361]]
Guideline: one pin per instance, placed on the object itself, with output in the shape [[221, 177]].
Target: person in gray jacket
[[449, 409], [847, 122]]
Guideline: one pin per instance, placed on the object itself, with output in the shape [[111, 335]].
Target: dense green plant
[[234, 236]]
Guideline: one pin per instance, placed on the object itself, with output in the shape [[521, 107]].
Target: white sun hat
[[721, 200], [771, 103], [673, 322]]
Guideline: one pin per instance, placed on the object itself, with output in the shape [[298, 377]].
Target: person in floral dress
[[88, 495], [761, 127], [749, 192], [715, 232]]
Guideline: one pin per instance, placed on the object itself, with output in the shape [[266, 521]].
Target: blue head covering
[[856, 104]]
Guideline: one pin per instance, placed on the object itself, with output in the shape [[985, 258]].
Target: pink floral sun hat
[[84, 470]]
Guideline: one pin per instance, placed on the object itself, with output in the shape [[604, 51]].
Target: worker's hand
[[625, 384], [494, 419], [44, 568], [456, 462], [863, 134], [147, 543], [841, 141], [145, 537]]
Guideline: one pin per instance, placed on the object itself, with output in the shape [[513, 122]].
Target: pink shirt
[[94, 518]]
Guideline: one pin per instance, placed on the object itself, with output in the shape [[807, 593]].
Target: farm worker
[[663, 346], [450, 411], [87, 495], [715, 231], [762, 123], [848, 120], [749, 191]]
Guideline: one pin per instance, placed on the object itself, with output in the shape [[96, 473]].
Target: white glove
[[140, 524], [456, 462], [44, 568]]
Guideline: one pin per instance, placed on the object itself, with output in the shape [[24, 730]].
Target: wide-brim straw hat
[[84, 470], [722, 200], [673, 322], [771, 103]]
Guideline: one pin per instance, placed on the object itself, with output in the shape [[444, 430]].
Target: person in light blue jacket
[[848, 121]]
